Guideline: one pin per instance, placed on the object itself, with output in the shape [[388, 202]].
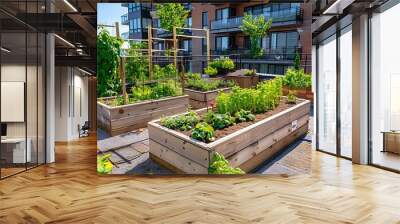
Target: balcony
[[165, 33], [284, 55], [285, 17], [124, 19]]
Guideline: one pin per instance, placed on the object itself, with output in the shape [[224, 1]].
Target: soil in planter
[[231, 129]]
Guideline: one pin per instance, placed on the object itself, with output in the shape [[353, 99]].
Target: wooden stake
[[208, 45], [175, 48], [121, 69], [150, 50]]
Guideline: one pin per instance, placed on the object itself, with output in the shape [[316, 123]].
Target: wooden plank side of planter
[[259, 159], [204, 96], [103, 117], [176, 160], [180, 144], [258, 147], [147, 106], [239, 140], [138, 122]]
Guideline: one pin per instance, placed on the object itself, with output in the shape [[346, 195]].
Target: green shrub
[[265, 97], [168, 71], [193, 76], [203, 85], [297, 78], [291, 97], [203, 132], [222, 65], [104, 166], [219, 121], [219, 165], [182, 122], [211, 71], [250, 72], [244, 115]]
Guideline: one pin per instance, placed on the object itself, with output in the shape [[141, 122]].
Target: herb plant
[[221, 65], [291, 97], [104, 166], [219, 165], [297, 79], [219, 121], [211, 71], [183, 122], [203, 132], [265, 97], [244, 115]]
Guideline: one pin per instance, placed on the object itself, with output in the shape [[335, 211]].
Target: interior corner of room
[[47, 79]]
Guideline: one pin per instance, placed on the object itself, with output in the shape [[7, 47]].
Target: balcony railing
[[124, 19], [277, 54], [279, 18]]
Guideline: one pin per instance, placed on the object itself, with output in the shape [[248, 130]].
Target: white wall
[[71, 102]]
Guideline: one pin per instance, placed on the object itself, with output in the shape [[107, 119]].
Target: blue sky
[[109, 13]]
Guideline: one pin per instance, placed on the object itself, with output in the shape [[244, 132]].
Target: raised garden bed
[[244, 81], [116, 120], [304, 93], [201, 99], [246, 145]]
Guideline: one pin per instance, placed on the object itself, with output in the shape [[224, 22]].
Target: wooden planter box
[[122, 119], [246, 148], [199, 99], [244, 81], [305, 93]]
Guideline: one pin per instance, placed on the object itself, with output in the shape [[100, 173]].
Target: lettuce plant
[[203, 132], [219, 165], [219, 121]]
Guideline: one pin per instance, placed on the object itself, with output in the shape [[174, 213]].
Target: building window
[[135, 25], [204, 19], [221, 14], [221, 43], [133, 7], [189, 22], [187, 45]]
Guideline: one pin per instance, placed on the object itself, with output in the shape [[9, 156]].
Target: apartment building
[[286, 37], [357, 81]]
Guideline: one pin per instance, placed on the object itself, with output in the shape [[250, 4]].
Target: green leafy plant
[[219, 121], [203, 132], [211, 71], [193, 76], [182, 122], [219, 165], [168, 71], [265, 97], [108, 51], [250, 72], [104, 165], [257, 28], [297, 61], [222, 65], [136, 65], [296, 78], [291, 97], [244, 115], [172, 14]]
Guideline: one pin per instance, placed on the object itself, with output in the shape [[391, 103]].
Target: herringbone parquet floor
[[70, 191]]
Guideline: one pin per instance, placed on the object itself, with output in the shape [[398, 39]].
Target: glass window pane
[[327, 95], [346, 93], [385, 92]]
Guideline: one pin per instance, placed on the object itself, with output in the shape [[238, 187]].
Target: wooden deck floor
[[70, 191]]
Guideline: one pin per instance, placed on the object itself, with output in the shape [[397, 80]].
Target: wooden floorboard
[[70, 191]]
